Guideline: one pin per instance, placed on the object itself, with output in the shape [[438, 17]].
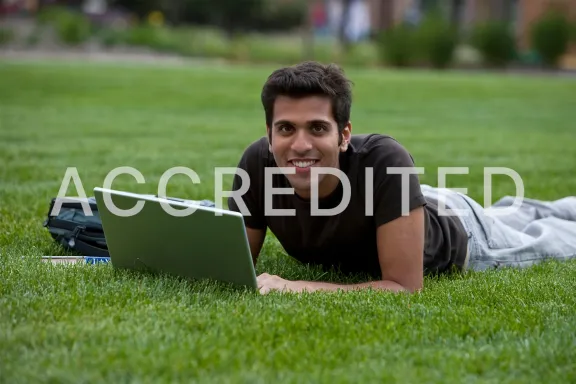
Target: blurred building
[[519, 14]]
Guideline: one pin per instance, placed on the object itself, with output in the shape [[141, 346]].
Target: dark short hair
[[310, 78]]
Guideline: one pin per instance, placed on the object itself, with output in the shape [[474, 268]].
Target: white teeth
[[303, 164]]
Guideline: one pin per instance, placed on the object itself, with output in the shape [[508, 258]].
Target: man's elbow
[[412, 287], [409, 281], [415, 288]]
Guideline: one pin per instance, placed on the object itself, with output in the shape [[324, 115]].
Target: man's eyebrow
[[282, 122], [319, 121], [310, 122]]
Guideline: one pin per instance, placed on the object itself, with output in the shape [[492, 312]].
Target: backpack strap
[[75, 241], [87, 249]]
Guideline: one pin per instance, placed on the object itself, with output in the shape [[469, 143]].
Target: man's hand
[[267, 283]]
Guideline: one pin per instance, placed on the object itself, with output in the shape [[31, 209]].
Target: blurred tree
[[344, 20], [308, 31], [140, 8], [233, 16]]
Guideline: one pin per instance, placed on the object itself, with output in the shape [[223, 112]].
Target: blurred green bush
[[110, 37], [231, 16], [550, 36], [495, 42], [281, 16], [6, 36], [436, 41], [396, 46], [71, 27]]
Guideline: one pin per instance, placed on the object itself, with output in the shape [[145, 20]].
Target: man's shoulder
[[374, 148], [256, 154], [257, 147]]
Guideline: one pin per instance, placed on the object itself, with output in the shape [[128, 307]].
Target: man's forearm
[[385, 285]]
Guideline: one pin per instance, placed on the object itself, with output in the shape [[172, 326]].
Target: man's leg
[[536, 232], [531, 210]]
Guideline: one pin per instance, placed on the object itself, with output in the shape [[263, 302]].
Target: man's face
[[305, 135]]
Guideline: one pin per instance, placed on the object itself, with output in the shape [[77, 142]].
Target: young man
[[354, 202]]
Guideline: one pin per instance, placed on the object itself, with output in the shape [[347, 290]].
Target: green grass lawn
[[92, 323]]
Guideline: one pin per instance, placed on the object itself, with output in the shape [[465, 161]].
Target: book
[[75, 259]]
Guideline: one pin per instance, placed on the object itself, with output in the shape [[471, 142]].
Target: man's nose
[[302, 142]]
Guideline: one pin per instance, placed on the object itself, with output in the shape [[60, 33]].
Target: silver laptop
[[160, 235]]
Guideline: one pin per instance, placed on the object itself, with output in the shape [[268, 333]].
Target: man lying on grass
[[394, 230]]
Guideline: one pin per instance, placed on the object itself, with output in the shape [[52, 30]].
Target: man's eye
[[284, 128], [318, 128]]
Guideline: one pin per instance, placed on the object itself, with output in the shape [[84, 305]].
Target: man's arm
[[255, 240], [252, 165], [400, 252]]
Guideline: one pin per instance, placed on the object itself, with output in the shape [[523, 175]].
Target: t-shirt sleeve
[[393, 197], [247, 186]]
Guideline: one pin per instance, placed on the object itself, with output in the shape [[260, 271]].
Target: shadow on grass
[[188, 284]]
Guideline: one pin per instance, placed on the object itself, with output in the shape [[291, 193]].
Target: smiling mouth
[[303, 163]]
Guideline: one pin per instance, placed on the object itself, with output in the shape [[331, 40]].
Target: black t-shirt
[[348, 240]]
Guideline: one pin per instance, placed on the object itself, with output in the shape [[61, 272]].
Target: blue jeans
[[535, 231]]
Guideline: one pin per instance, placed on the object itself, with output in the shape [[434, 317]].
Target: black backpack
[[76, 231]]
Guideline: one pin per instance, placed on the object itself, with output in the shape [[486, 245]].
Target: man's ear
[[346, 136]]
